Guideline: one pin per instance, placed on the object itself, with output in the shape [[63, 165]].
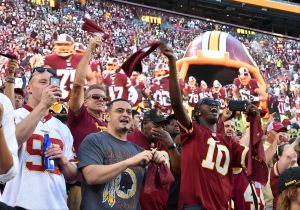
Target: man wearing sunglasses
[[34, 187], [207, 157], [87, 111]]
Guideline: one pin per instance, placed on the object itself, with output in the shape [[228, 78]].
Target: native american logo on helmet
[[79, 48], [64, 45], [244, 75]]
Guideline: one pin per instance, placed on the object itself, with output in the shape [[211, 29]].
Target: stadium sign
[[151, 19]]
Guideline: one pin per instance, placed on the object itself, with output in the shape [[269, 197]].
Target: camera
[[237, 105]]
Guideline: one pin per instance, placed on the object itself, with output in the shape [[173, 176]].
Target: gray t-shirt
[[121, 193]]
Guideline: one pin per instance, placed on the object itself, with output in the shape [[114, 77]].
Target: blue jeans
[[192, 207]]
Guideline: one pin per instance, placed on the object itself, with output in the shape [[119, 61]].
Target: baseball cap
[[290, 177], [276, 126], [171, 117], [154, 115], [19, 91]]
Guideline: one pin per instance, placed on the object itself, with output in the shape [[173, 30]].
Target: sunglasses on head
[[97, 97], [209, 101], [42, 70]]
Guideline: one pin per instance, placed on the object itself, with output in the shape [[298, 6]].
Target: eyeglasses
[[97, 97], [209, 101], [42, 70]]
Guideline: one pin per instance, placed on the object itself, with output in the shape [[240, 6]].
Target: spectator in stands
[[9, 163], [109, 163], [288, 189], [136, 120], [199, 140], [33, 120], [153, 136], [86, 112], [19, 98]]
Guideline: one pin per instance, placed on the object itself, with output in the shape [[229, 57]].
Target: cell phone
[[55, 81], [237, 105]]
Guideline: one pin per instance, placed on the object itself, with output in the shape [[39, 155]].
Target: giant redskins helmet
[[64, 45], [217, 55]]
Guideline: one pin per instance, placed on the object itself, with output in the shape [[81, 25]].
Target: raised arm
[[175, 92], [77, 92], [10, 80]]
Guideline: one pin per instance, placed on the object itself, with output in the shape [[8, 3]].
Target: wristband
[[10, 80], [173, 146]]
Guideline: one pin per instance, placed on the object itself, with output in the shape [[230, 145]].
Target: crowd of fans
[[111, 174]]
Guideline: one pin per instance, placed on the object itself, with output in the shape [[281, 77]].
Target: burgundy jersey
[[65, 69], [118, 85], [83, 124], [161, 95], [207, 161], [281, 104], [273, 184], [205, 92], [156, 200], [220, 96], [246, 91], [193, 94], [242, 192], [139, 86]]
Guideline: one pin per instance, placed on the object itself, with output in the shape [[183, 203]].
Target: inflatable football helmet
[[217, 55], [64, 45]]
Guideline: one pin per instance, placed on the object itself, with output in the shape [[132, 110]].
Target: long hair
[[286, 197]]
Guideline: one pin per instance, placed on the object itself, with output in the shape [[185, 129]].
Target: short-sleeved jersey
[[9, 131], [193, 94], [205, 92], [34, 187], [118, 85], [206, 167], [139, 86], [160, 94], [65, 69], [246, 91], [220, 96], [242, 192], [83, 124], [121, 193]]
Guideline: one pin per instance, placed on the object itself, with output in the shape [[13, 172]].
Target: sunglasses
[[209, 101], [97, 97], [42, 70]]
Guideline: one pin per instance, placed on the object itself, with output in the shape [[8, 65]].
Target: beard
[[123, 130]]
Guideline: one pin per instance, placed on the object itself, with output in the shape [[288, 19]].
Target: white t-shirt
[[34, 187], [10, 137]]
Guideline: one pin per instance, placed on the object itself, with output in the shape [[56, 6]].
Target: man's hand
[[160, 157], [167, 51], [252, 110], [141, 159], [94, 42], [54, 152], [163, 136], [12, 66], [50, 95]]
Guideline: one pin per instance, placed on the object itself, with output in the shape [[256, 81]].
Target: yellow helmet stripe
[[214, 40]]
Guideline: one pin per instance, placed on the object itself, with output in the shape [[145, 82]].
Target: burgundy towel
[[91, 26], [134, 62], [158, 177], [257, 169], [9, 55]]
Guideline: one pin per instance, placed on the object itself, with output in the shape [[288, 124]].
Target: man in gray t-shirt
[[111, 165]]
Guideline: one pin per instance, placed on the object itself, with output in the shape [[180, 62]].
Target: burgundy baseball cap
[[276, 126]]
